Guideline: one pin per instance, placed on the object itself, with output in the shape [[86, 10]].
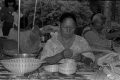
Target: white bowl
[[51, 68], [67, 69], [21, 65], [67, 72], [67, 66], [69, 60]]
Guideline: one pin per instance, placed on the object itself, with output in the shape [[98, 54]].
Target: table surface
[[79, 75]]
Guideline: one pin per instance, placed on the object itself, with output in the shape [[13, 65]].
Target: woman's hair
[[9, 1], [23, 22], [97, 16], [67, 15]]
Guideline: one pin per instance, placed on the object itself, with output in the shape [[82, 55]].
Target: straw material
[[51, 68], [21, 65]]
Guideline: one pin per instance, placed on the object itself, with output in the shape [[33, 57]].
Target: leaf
[[49, 11]]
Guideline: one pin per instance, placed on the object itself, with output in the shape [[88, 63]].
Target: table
[[44, 75], [99, 74]]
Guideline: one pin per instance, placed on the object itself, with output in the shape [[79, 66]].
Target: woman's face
[[98, 24], [67, 27]]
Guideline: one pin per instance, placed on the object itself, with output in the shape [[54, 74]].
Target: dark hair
[[93, 15], [23, 22], [101, 17], [92, 18], [16, 7], [9, 1], [67, 15]]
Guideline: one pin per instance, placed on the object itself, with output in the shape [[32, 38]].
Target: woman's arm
[[113, 35], [83, 59], [87, 57], [54, 59], [48, 54]]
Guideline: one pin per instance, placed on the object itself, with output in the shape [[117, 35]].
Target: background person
[[93, 33], [6, 16]]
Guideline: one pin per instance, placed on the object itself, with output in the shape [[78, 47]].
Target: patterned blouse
[[54, 46]]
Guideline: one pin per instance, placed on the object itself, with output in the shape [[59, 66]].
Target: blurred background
[[49, 11]]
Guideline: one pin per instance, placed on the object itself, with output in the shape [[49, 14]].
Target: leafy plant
[[49, 11]]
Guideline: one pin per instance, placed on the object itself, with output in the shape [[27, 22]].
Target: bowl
[[67, 72], [68, 68], [21, 65], [51, 68]]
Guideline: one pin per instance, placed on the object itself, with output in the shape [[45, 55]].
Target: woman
[[6, 16], [29, 39], [66, 44], [93, 33]]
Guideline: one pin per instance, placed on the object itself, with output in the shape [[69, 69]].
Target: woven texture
[[21, 65]]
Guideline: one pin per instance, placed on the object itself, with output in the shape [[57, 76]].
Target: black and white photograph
[[59, 40]]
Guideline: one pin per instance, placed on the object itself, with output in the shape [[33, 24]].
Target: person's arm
[[95, 39], [48, 54], [113, 35], [114, 25], [54, 59], [87, 57]]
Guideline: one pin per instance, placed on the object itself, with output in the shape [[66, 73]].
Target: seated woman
[[29, 39], [66, 44], [93, 33]]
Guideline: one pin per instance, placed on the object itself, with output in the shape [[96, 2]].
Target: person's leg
[[6, 28]]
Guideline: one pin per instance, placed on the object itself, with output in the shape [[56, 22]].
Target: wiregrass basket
[[21, 65]]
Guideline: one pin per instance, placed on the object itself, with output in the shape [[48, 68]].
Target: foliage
[[49, 11]]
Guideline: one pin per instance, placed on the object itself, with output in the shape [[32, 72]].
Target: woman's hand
[[77, 57], [68, 53]]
